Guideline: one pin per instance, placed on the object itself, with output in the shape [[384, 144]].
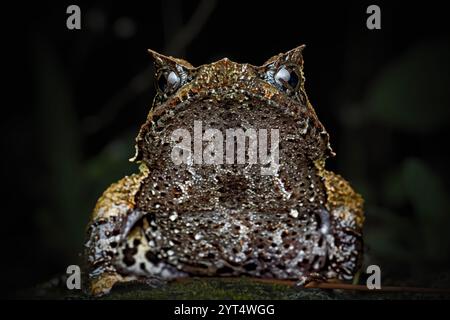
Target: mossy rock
[[220, 289]]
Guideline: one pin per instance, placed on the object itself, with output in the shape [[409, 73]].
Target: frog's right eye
[[288, 78], [167, 81]]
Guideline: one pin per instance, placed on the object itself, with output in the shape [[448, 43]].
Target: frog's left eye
[[287, 78], [168, 81]]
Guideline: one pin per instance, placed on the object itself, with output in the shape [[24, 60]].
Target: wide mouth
[[240, 92], [228, 107]]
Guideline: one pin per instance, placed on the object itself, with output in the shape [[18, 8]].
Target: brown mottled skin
[[168, 221]]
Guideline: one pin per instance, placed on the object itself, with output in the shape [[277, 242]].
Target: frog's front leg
[[336, 249], [318, 242], [112, 219], [339, 250], [104, 236]]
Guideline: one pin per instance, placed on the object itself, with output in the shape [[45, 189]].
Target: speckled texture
[[169, 221]]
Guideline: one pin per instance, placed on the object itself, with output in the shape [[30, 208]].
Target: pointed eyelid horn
[[294, 55], [163, 60]]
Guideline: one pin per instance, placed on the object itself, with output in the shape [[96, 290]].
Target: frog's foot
[[103, 284], [309, 278]]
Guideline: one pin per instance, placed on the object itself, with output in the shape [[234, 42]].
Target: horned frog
[[228, 219]]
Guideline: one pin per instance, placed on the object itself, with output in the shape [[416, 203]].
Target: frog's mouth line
[[270, 97]]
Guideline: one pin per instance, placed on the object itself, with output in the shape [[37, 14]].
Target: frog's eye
[[167, 81], [285, 72], [287, 78]]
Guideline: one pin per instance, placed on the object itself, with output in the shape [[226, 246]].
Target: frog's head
[[226, 95]]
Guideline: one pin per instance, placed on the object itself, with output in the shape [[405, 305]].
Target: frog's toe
[[306, 279], [153, 282]]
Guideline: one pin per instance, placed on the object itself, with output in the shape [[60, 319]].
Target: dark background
[[79, 97]]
